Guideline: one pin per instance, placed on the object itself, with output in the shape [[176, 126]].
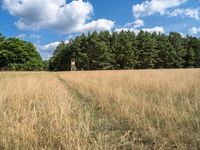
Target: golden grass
[[152, 109], [162, 106], [37, 112]]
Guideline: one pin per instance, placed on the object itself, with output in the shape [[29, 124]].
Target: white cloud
[[193, 13], [28, 36], [132, 26], [136, 24], [194, 30], [182, 34], [48, 47], [150, 7], [47, 50], [21, 36], [99, 25], [55, 14], [136, 31]]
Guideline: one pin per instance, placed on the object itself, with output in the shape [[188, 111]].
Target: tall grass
[[152, 109], [161, 107], [37, 112]]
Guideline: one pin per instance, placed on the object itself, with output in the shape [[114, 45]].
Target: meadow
[[139, 109]]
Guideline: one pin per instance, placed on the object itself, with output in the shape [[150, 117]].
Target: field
[[142, 109]]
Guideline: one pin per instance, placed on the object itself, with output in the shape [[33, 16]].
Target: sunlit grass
[[162, 106], [152, 109]]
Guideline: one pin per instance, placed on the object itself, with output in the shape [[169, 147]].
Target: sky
[[47, 22]]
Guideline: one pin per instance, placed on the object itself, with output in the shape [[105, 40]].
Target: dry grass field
[[150, 109]]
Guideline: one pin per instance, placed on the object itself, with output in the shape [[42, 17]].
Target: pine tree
[[197, 55], [80, 53], [190, 58], [178, 49], [61, 59], [124, 51], [165, 53], [98, 54], [108, 57], [146, 48], [194, 43]]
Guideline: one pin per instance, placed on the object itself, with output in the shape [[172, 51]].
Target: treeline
[[126, 50], [105, 51], [16, 54]]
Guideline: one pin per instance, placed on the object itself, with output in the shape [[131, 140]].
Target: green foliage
[[177, 50], [192, 44], [165, 52], [125, 50], [46, 65], [146, 49], [16, 54], [189, 58], [61, 58]]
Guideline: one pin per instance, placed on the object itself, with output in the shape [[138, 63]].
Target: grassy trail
[[153, 109], [105, 131], [157, 109]]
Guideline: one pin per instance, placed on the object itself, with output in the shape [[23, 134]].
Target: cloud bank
[[150, 7], [164, 7], [193, 13], [56, 14], [194, 30]]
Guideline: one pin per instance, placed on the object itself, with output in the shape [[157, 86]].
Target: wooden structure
[[73, 65]]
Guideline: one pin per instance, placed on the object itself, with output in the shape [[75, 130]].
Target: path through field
[[152, 109]]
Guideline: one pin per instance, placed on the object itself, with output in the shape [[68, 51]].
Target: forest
[[127, 50], [105, 51]]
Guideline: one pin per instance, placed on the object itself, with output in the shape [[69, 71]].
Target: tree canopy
[[16, 54], [126, 50]]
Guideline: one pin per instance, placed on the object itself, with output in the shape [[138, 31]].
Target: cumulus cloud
[[193, 13], [48, 47], [132, 26], [99, 25], [194, 30], [47, 50], [150, 7], [55, 14], [136, 24]]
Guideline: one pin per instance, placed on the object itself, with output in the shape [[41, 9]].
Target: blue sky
[[47, 22]]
